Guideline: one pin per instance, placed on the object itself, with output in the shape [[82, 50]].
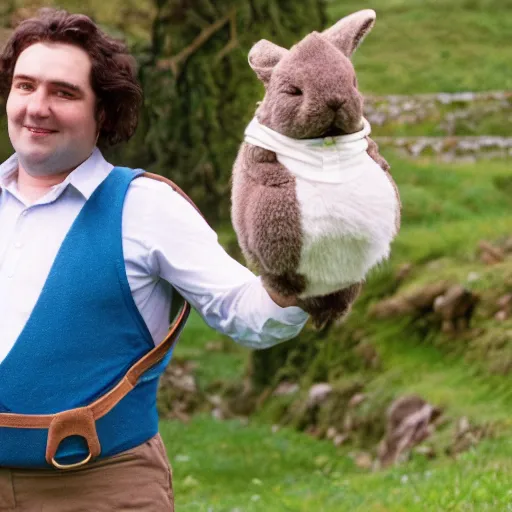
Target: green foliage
[[447, 209], [420, 46], [227, 364], [198, 108]]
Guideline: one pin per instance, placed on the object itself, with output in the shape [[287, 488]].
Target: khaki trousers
[[139, 479]]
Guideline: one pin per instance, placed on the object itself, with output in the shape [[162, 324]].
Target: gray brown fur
[[265, 209]]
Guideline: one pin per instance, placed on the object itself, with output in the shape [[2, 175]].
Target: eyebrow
[[58, 83]]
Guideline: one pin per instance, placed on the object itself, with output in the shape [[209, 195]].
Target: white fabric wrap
[[347, 202]]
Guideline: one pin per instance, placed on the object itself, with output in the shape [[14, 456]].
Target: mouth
[[38, 131], [334, 131]]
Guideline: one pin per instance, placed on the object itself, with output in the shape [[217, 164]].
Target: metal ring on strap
[[82, 420], [65, 424], [72, 466]]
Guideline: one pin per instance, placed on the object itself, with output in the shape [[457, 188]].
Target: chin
[[34, 157]]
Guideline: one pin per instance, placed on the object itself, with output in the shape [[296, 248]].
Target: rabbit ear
[[263, 56], [350, 31]]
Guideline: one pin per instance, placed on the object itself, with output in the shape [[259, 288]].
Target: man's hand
[[281, 300]]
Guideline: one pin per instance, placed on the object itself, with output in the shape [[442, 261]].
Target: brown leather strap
[[81, 421], [106, 403], [173, 185]]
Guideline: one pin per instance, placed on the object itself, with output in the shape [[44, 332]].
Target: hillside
[[454, 213], [251, 432]]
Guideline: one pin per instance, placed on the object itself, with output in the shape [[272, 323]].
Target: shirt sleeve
[[184, 251]]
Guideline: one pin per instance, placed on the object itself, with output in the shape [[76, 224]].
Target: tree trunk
[[200, 91]]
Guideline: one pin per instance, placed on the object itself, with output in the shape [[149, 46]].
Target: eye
[[64, 94], [24, 86], [293, 91]]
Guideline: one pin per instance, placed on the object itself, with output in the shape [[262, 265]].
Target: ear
[[263, 57], [350, 31]]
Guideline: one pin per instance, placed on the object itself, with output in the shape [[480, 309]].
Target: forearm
[[249, 315], [185, 252]]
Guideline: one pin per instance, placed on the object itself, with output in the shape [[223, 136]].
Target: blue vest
[[83, 335]]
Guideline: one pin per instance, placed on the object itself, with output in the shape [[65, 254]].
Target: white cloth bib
[[347, 203], [328, 160]]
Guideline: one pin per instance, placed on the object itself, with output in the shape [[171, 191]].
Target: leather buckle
[[75, 422]]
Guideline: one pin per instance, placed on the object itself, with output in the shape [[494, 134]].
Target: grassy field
[[228, 466], [420, 46], [417, 46]]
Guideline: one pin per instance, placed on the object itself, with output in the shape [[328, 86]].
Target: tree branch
[[233, 41], [174, 63]]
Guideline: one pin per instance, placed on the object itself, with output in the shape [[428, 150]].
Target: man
[[89, 258]]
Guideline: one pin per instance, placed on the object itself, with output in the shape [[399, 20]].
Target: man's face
[[51, 108]]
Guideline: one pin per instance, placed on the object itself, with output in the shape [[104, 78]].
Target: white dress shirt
[[165, 242]]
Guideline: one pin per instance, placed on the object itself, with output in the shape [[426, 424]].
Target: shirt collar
[[8, 170], [85, 178]]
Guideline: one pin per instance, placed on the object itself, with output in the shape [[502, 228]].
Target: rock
[[505, 302], [501, 316], [286, 388], [395, 306], [505, 305], [472, 277], [507, 246], [456, 308], [340, 439], [187, 383], [318, 394], [420, 300], [403, 271], [331, 433], [178, 395], [215, 400], [462, 427], [357, 399], [467, 435], [363, 460], [409, 422], [218, 414], [490, 254]]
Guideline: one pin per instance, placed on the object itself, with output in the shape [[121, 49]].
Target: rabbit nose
[[335, 103]]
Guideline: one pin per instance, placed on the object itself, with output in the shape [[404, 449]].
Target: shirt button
[[18, 245]]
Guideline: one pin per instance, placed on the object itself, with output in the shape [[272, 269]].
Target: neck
[[33, 188]]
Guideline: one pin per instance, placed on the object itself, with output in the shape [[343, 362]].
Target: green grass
[[421, 46], [229, 466], [478, 123]]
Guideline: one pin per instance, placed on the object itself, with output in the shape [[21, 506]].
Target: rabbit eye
[[293, 91]]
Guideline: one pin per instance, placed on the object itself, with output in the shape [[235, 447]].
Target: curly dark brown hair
[[113, 74]]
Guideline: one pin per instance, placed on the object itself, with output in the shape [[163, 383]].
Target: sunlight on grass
[[229, 466], [432, 46]]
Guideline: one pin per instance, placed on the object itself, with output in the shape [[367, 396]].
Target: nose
[[335, 103], [38, 104]]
